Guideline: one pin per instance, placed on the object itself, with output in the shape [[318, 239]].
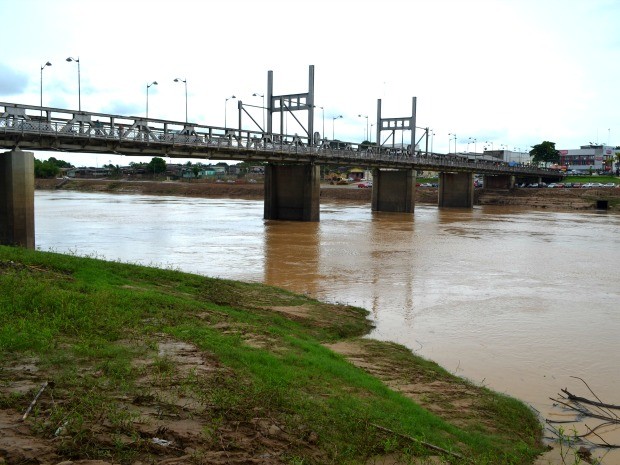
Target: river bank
[[105, 362], [553, 199]]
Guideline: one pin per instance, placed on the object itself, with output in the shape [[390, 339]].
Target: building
[[505, 156], [589, 158]]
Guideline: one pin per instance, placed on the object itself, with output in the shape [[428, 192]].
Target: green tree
[[49, 168], [545, 152], [45, 169], [59, 163], [157, 165]]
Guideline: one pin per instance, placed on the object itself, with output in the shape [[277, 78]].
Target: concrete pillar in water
[[501, 181], [17, 198], [393, 191], [292, 192], [456, 190]]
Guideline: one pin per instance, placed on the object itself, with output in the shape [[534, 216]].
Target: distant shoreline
[[543, 198]]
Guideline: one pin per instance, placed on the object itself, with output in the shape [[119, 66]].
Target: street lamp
[[77, 60], [154, 83], [370, 135], [46, 64], [451, 134], [367, 130], [334, 123], [184, 81], [323, 112], [256, 94], [225, 102]]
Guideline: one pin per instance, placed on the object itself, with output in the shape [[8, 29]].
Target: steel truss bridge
[[29, 127]]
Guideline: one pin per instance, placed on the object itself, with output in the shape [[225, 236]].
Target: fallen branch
[[34, 401], [584, 400], [586, 412], [428, 445]]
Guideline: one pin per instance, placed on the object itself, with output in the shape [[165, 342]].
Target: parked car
[[609, 184], [365, 185]]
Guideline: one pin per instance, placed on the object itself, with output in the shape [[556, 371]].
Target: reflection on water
[[517, 300]]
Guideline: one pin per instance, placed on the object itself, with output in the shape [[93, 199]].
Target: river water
[[517, 300]]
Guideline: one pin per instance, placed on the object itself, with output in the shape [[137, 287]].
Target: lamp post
[[46, 64], [225, 102], [323, 112], [370, 135], [432, 138], [367, 130], [77, 60], [256, 94], [184, 81], [451, 134], [154, 83], [334, 124]]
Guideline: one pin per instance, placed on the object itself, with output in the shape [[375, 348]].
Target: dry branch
[[34, 401], [584, 400], [428, 445]]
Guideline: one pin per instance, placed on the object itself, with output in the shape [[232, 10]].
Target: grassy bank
[[144, 364]]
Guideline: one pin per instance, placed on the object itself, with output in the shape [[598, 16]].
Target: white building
[[595, 158], [507, 156]]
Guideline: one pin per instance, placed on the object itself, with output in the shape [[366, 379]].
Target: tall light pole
[[46, 64], [452, 134], [370, 134], [256, 94], [184, 81], [77, 60], [432, 138], [225, 102], [334, 124], [323, 112], [367, 130], [154, 83]]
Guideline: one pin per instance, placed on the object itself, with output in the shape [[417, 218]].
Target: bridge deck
[[42, 128]]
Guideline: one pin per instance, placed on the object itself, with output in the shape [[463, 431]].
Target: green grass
[[585, 179], [95, 328]]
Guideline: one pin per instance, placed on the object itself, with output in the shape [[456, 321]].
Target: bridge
[[292, 161]]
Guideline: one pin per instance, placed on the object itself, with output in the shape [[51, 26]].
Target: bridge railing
[[119, 131]]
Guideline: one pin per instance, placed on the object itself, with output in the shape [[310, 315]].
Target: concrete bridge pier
[[17, 198], [502, 181], [292, 192], [456, 190], [393, 191]]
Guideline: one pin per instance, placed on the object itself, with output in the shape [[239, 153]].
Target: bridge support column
[[17, 198], [456, 190], [292, 192], [502, 181], [393, 191]]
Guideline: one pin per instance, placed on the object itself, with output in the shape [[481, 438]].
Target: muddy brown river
[[517, 300]]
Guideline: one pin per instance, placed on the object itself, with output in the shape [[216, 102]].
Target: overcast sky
[[510, 73]]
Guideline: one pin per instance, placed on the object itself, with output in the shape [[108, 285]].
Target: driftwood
[[589, 408], [428, 445]]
